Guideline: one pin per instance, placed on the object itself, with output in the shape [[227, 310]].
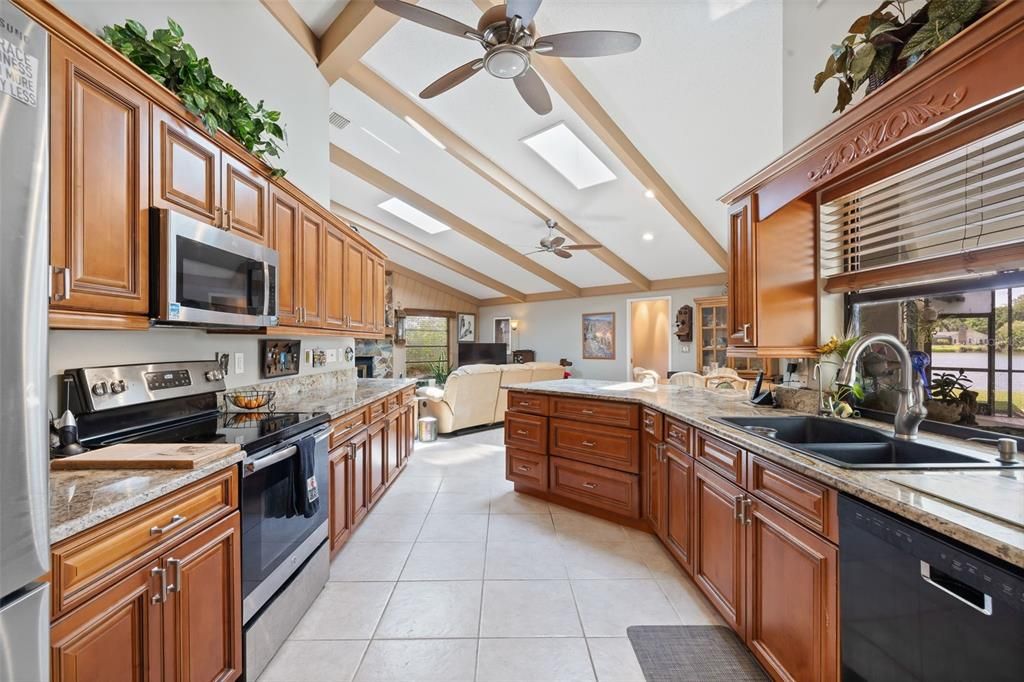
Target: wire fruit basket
[[250, 400]]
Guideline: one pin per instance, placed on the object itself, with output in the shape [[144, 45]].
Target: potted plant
[[439, 371], [952, 400], [841, 398]]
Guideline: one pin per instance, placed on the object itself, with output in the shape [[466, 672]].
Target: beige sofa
[[472, 395]]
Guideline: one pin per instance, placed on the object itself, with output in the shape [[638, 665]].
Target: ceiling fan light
[[507, 61]]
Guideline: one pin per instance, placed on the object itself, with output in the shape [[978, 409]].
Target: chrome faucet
[[823, 409], [911, 410]]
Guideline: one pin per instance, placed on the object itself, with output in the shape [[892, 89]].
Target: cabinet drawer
[[597, 411], [808, 502], [88, 562], [346, 426], [526, 432], [394, 401], [607, 489], [679, 434], [651, 422], [378, 410], [526, 468], [409, 395], [602, 445], [527, 402], [724, 458]]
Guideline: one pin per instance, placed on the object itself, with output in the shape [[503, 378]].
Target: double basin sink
[[851, 446]]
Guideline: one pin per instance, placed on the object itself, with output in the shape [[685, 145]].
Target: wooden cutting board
[[148, 456]]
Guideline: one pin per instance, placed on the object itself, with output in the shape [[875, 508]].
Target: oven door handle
[[263, 462]]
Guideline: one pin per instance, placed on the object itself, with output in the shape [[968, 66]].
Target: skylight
[[413, 216], [567, 154]]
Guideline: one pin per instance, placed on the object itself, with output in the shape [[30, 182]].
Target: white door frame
[[629, 332]]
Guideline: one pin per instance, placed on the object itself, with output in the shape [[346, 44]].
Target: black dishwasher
[[917, 606]]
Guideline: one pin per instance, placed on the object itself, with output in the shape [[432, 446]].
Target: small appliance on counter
[[284, 533]]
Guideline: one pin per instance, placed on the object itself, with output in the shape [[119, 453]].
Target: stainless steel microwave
[[208, 277]]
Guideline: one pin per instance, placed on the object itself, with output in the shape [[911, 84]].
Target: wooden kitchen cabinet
[[408, 432], [116, 636], [244, 197], [355, 295], [379, 285], [186, 169], [311, 229], [361, 467], [286, 239], [394, 445], [718, 565], [334, 278], [655, 469], [99, 195], [742, 329], [792, 597], [377, 445], [678, 526], [340, 496], [203, 611]]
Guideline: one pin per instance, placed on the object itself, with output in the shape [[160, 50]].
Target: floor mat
[[693, 653]]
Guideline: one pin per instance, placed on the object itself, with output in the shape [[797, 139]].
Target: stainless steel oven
[[209, 277]]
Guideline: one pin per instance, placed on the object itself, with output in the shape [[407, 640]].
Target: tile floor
[[454, 576]]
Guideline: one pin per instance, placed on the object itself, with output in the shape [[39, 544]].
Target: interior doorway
[[648, 335]]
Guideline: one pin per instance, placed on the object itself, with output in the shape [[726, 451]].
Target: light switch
[[239, 363]]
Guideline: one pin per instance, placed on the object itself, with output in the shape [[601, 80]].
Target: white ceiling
[[318, 14], [701, 99]]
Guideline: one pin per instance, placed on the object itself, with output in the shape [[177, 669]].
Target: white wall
[[809, 29], [554, 330], [248, 48], [71, 349]]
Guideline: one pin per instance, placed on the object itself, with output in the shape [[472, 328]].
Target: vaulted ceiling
[[691, 113]]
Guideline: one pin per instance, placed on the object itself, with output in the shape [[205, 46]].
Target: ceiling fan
[[509, 36], [554, 244]]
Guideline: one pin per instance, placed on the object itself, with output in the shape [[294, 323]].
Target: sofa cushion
[[430, 392]]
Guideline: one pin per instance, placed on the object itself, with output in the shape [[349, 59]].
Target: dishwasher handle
[[961, 591]]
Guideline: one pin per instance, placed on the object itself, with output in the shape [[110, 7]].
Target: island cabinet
[[132, 604], [369, 448]]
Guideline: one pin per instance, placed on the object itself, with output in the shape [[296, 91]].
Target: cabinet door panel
[[340, 497], [245, 199], [679, 507], [793, 599], [312, 228], [379, 294], [393, 444], [99, 177], [334, 278], [116, 636], [361, 467], [654, 485], [378, 455], [203, 614], [287, 241], [718, 560], [186, 169], [409, 432], [742, 275], [355, 283]]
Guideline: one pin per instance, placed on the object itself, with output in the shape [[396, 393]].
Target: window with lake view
[[426, 345]]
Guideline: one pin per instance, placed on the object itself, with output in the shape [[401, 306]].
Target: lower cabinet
[[408, 431], [655, 474], [342, 483], [678, 527], [394, 445], [360, 504], [718, 567], [377, 444]]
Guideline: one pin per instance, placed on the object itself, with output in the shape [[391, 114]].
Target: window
[[426, 345]]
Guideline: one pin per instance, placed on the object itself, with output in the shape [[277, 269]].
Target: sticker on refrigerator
[[173, 311], [19, 73]]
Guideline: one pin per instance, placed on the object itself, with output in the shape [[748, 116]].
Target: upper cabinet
[[357, 261], [192, 175], [311, 299], [99, 231], [742, 288], [286, 240]]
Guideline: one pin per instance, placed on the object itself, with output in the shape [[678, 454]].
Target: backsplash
[[290, 390], [383, 354]]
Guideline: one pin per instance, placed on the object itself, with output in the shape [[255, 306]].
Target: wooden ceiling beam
[[383, 182], [563, 81], [689, 282], [395, 237], [351, 35], [285, 13], [401, 105], [427, 281]]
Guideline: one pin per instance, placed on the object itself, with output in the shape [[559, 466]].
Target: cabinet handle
[[737, 507], [586, 411], [161, 596], [524, 403], [589, 485], [588, 444], [520, 432], [523, 467], [746, 332], [176, 520], [227, 219], [175, 565], [747, 503], [65, 292]]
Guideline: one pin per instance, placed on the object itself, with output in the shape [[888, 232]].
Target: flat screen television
[[483, 353]]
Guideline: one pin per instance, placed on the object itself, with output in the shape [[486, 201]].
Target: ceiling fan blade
[[533, 90], [452, 78], [587, 44], [582, 247], [530, 253], [524, 9], [557, 241], [427, 18], [562, 253]]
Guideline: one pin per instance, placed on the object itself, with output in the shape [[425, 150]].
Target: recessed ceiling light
[[647, 236], [649, 193], [423, 131], [567, 154], [413, 216], [376, 137]]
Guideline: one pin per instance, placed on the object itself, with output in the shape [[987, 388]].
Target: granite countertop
[[337, 401], [82, 499], [942, 514]]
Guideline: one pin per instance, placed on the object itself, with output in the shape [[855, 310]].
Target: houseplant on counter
[[893, 39], [175, 64]]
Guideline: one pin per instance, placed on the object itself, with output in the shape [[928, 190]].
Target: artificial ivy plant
[[889, 40], [175, 64]]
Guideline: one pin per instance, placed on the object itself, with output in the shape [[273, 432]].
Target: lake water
[[979, 360]]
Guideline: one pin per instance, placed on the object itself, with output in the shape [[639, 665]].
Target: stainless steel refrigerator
[[24, 240]]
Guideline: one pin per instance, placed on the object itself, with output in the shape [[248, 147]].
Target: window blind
[[968, 199]]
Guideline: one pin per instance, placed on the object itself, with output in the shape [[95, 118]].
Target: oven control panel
[[156, 381]]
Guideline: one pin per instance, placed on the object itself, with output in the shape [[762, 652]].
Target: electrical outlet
[[239, 363], [332, 355]]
